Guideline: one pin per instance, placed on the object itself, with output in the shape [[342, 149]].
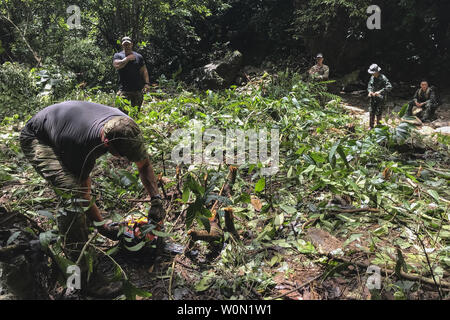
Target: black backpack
[[437, 96]]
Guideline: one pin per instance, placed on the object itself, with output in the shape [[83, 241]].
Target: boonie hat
[[374, 68]]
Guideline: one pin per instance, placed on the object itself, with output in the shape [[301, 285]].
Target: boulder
[[440, 123], [443, 130], [351, 82], [222, 73], [426, 130]]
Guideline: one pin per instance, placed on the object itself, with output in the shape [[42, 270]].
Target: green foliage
[[319, 159], [90, 64], [54, 81], [18, 89], [330, 16]]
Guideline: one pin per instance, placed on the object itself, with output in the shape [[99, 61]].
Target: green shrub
[[54, 82], [88, 62], [18, 89]]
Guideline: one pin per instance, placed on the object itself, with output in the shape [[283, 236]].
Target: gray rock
[[222, 73], [351, 82]]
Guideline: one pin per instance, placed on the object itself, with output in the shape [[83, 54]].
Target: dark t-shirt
[[72, 128], [129, 77]]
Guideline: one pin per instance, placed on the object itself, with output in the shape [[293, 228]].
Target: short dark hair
[[424, 80]]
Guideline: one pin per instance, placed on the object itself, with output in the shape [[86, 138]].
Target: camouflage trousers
[[135, 97], [376, 106], [72, 223], [427, 113]]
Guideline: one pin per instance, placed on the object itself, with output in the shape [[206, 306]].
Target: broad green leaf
[[352, 238], [186, 193], [12, 238], [45, 213], [45, 238], [279, 219], [343, 156], [162, 234], [434, 194], [332, 154], [99, 223], [260, 185], [112, 251], [131, 291], [137, 247], [288, 209], [204, 283]]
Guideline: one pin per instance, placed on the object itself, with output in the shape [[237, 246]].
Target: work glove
[[156, 213]]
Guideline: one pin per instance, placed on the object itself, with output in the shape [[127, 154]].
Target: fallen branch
[[138, 200], [7, 253], [337, 211], [85, 246], [402, 274], [171, 279], [204, 235], [356, 210], [297, 288]]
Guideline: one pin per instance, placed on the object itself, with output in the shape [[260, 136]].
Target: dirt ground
[[395, 102]]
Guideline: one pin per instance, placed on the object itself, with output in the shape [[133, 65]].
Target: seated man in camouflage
[[378, 87], [63, 141], [319, 71], [424, 98]]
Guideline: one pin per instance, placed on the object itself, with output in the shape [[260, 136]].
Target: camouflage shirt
[[319, 72], [381, 84], [425, 96]]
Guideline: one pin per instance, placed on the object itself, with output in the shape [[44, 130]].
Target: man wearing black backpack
[[426, 99]]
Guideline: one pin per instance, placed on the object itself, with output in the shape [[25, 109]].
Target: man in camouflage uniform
[[63, 141], [319, 72], [378, 87], [424, 98]]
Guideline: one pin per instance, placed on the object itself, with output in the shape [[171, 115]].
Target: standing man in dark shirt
[[133, 74], [63, 141]]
